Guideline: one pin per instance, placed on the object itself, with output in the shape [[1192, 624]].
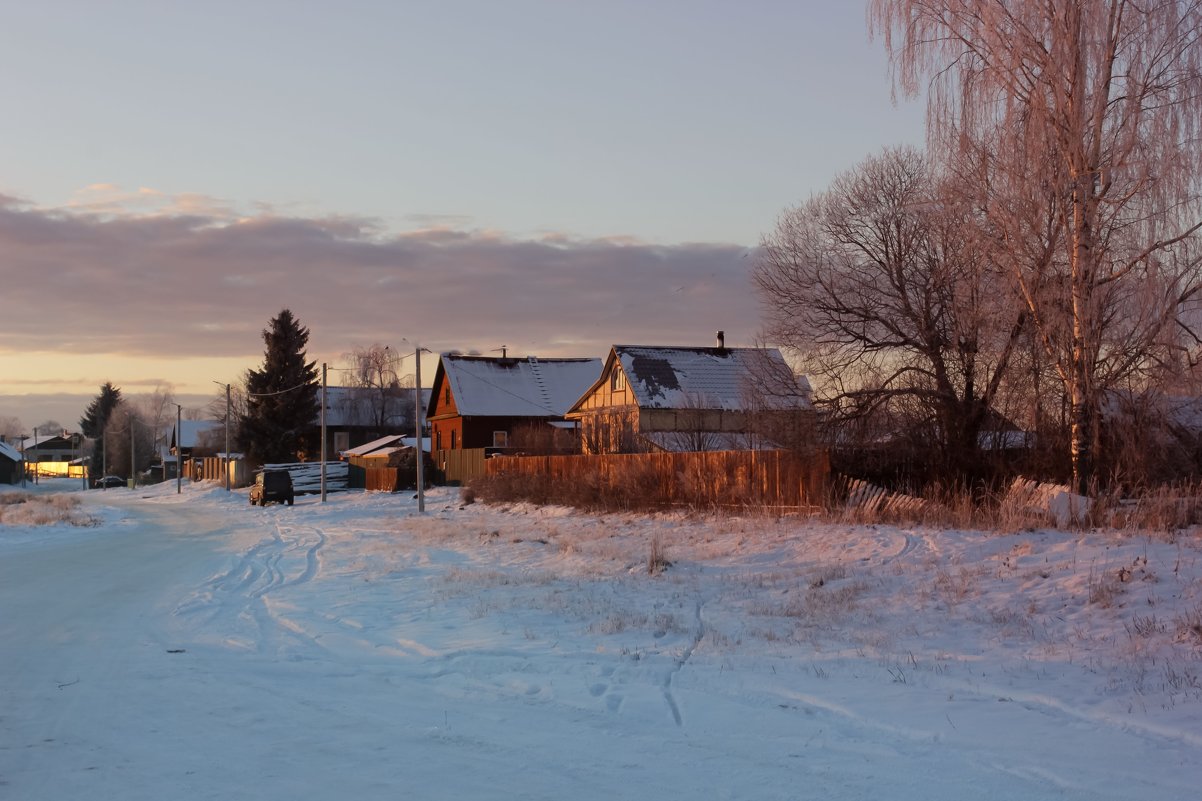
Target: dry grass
[[27, 509]]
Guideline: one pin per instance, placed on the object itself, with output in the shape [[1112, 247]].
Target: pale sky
[[555, 177]]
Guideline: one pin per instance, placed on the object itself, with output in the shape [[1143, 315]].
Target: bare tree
[[11, 429], [157, 409], [373, 370], [1085, 116], [215, 409], [882, 289]]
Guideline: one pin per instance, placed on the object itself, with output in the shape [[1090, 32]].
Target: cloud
[[146, 274]]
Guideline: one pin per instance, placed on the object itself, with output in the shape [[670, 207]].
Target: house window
[[437, 440], [617, 380], [500, 439], [452, 440], [342, 441]]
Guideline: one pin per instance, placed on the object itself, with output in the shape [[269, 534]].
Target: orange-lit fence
[[721, 479]]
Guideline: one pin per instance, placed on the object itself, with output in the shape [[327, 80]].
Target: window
[[342, 441], [617, 379], [452, 440], [500, 439], [446, 396]]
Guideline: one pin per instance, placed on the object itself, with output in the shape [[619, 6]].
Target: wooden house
[[692, 399], [359, 415], [11, 464], [506, 402]]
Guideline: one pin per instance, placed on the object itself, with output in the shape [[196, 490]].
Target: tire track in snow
[[236, 599]]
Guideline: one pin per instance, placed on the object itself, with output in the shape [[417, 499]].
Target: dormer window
[[617, 380]]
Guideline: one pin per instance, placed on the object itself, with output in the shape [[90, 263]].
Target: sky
[[552, 177]]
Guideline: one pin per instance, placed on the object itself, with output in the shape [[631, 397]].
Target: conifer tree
[[97, 416], [281, 398]]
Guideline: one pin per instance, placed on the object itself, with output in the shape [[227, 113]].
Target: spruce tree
[[97, 416], [281, 398]]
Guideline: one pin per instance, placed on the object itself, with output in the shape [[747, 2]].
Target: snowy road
[[195, 648]]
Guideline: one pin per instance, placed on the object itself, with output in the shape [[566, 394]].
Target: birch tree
[[1082, 119]]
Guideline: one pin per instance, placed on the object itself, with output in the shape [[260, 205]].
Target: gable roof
[[487, 386], [347, 407], [707, 378], [190, 431], [10, 452]]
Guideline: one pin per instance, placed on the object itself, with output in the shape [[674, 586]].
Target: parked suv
[[272, 485]]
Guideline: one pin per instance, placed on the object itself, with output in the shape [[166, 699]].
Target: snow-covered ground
[[194, 647]]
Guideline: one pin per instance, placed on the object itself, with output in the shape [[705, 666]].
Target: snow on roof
[[358, 406], [711, 378], [190, 431], [485, 386], [10, 452], [373, 446]]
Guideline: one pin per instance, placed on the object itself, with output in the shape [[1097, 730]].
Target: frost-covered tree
[[1083, 117]]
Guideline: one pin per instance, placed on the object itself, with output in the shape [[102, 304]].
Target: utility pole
[[417, 424], [35, 453], [323, 432], [179, 458], [133, 471], [227, 437]]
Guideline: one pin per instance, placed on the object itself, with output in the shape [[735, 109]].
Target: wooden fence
[[381, 479], [778, 480], [461, 466], [209, 468]]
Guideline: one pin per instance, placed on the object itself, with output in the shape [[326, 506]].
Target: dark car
[[109, 481], [272, 485]]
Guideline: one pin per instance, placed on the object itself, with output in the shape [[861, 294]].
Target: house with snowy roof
[[505, 402], [651, 398], [11, 467]]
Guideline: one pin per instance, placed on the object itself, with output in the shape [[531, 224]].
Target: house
[[650, 398], [12, 465], [506, 402], [197, 438], [359, 415], [61, 447]]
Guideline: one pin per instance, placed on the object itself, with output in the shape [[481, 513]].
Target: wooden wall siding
[[765, 480], [460, 466], [606, 397]]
